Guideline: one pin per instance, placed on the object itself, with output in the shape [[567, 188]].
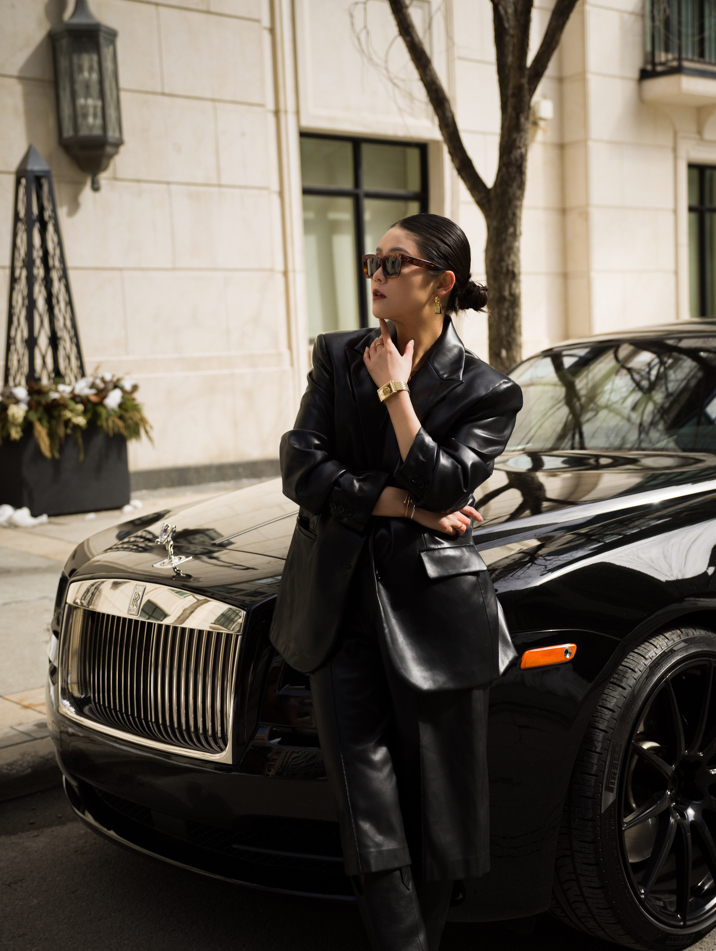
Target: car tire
[[636, 855]]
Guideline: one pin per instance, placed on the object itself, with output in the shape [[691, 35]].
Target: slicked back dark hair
[[444, 243]]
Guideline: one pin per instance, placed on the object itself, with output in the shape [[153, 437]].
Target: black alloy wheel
[[667, 806], [636, 860]]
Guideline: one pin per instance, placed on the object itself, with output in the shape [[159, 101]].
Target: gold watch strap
[[393, 386]]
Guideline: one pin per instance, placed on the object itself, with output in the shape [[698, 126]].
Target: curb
[[27, 761]]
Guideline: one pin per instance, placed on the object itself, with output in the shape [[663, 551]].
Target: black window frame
[[359, 194], [702, 210]]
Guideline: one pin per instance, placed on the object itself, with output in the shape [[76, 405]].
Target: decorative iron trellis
[[42, 339]]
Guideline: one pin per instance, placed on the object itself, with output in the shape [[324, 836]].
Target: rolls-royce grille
[[159, 681]]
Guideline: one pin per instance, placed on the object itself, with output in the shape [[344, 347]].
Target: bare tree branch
[[503, 23], [515, 113], [506, 12], [517, 86], [397, 87], [561, 12], [441, 105]]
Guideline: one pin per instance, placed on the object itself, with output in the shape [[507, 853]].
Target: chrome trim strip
[[111, 596], [67, 710], [253, 528]]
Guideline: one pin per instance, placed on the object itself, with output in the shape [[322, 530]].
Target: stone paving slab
[[22, 733], [21, 540], [13, 714], [35, 699]]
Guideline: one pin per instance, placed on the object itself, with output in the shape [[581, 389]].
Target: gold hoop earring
[[438, 308]]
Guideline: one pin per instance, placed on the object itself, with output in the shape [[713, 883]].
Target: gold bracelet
[[406, 502]]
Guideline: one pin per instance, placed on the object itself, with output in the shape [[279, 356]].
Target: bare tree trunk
[[504, 282], [503, 265]]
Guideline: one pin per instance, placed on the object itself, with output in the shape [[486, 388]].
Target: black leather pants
[[407, 768], [369, 726], [400, 914]]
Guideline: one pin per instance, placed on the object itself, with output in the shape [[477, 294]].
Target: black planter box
[[65, 485]]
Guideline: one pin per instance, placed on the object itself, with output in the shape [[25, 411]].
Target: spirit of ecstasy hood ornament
[[166, 538]]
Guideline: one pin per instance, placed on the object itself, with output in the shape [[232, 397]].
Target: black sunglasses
[[392, 263]]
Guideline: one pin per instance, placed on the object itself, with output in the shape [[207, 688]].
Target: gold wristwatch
[[393, 386]]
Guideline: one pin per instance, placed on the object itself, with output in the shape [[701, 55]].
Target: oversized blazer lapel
[[440, 375], [373, 416]]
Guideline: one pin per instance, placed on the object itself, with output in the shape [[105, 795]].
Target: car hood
[[237, 543]]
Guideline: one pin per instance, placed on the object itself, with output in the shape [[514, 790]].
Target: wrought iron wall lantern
[[85, 57]]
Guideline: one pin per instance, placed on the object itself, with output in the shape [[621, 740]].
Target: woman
[[384, 600]]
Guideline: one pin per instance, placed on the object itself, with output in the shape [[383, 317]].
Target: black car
[[183, 734]]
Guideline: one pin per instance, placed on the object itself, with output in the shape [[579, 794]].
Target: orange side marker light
[[544, 656]]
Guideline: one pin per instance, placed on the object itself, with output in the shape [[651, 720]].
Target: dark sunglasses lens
[[391, 265], [371, 263]]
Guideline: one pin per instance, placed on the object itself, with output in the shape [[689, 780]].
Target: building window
[[353, 191], [152, 612], [680, 37], [702, 240]]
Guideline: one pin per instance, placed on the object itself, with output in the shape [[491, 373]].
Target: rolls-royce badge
[[135, 602]]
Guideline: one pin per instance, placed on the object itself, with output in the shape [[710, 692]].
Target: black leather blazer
[[439, 611]]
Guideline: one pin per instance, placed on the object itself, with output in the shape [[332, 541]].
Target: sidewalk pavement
[[30, 563]]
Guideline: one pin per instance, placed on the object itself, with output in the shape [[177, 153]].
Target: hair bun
[[472, 297]]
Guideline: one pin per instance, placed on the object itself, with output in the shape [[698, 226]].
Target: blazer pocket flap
[[447, 562]]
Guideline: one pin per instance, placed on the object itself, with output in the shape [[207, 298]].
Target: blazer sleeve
[[312, 475], [442, 477]]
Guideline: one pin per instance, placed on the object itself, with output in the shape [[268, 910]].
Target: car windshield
[[640, 394]]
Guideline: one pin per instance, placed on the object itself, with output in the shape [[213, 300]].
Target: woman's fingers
[[472, 513], [455, 525]]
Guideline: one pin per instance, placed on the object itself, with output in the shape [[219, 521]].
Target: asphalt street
[[61, 886]]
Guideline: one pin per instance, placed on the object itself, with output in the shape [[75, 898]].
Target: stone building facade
[[189, 267]]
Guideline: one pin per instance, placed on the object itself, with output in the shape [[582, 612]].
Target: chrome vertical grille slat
[[105, 669], [191, 687], [199, 684], [168, 650], [174, 690], [119, 699], [211, 720], [125, 634], [218, 697], [135, 677], [159, 682]]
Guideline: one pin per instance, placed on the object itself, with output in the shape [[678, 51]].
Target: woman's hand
[[456, 523], [383, 360]]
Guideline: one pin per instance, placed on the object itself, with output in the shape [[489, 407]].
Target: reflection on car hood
[[537, 491], [237, 543]]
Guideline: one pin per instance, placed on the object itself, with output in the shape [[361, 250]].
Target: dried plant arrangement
[[58, 410]]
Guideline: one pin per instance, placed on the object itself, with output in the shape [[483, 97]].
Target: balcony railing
[[680, 37]]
